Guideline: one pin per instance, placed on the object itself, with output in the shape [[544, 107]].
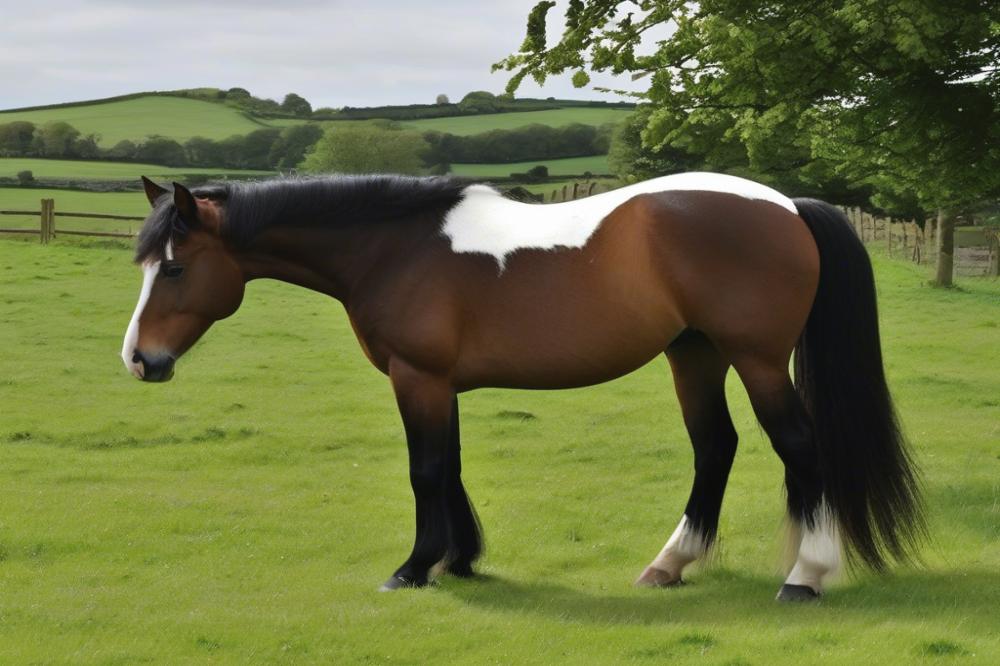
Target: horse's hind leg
[[783, 416], [699, 378]]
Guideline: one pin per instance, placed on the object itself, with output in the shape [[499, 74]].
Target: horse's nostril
[[136, 357]]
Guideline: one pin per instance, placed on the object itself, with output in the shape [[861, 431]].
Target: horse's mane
[[250, 207]]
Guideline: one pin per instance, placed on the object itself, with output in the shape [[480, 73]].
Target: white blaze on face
[[150, 270], [485, 222]]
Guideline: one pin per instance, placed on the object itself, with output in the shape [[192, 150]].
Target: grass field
[[463, 125], [180, 118], [570, 166], [134, 119], [100, 170], [247, 511]]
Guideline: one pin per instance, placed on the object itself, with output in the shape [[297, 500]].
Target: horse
[[450, 286]]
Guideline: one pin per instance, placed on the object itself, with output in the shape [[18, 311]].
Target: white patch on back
[[485, 222], [150, 269]]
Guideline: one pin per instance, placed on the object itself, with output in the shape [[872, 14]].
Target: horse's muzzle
[[153, 368]]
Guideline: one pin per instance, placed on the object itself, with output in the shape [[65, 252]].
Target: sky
[[333, 53]]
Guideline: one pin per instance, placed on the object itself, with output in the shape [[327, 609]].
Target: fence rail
[[47, 222]]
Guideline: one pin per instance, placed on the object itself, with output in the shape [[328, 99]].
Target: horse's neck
[[330, 261]]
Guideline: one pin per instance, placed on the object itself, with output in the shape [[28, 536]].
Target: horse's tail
[[869, 480]]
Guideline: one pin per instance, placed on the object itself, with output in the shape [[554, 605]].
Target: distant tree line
[[273, 148], [531, 142], [267, 148]]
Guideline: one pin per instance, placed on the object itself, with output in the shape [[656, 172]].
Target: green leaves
[[902, 95]]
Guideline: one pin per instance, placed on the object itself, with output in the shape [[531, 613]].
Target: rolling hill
[[181, 118]]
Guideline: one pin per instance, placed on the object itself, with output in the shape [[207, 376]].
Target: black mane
[[251, 207]]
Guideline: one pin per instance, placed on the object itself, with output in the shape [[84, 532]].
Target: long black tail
[[869, 479]]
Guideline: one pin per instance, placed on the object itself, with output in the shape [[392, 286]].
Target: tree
[[25, 178], [55, 139], [479, 101], [367, 149], [296, 105], [16, 138], [123, 150], [441, 99], [900, 95], [203, 152], [86, 147], [257, 148], [161, 150], [291, 147]]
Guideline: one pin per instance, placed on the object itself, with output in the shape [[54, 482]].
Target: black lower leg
[[714, 439], [699, 378], [464, 532], [789, 428], [425, 404]]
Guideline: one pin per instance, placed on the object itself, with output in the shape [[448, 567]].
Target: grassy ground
[[570, 166], [134, 119], [463, 125], [246, 512]]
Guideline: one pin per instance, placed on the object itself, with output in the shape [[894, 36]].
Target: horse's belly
[[560, 347]]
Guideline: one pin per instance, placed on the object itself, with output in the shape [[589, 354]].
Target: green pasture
[[570, 166], [463, 125], [247, 511], [134, 119], [101, 170], [182, 118]]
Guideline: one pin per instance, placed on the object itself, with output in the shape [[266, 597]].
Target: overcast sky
[[333, 53]]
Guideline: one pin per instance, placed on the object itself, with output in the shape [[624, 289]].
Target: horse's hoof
[[797, 593], [461, 571], [653, 577], [401, 582]]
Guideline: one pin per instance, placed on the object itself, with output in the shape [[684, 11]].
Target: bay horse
[[451, 287]]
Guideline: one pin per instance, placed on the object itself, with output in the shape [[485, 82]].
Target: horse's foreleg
[[447, 531], [464, 534], [699, 379]]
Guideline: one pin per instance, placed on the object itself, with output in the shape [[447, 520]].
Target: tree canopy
[[367, 149], [902, 96]]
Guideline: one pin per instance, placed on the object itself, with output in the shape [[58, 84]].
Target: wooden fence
[[977, 251], [46, 230]]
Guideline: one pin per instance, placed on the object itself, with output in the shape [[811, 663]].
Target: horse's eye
[[171, 270]]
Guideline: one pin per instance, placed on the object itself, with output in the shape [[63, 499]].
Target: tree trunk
[[945, 247]]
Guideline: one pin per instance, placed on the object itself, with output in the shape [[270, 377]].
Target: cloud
[[332, 53]]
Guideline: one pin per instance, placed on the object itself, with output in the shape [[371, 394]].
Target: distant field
[[463, 125], [133, 119], [180, 118], [98, 170], [571, 166]]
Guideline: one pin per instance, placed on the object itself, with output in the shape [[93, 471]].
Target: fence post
[[52, 219], [46, 221], [564, 193], [590, 190]]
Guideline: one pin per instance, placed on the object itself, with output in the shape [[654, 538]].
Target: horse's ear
[[153, 191], [186, 206]]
